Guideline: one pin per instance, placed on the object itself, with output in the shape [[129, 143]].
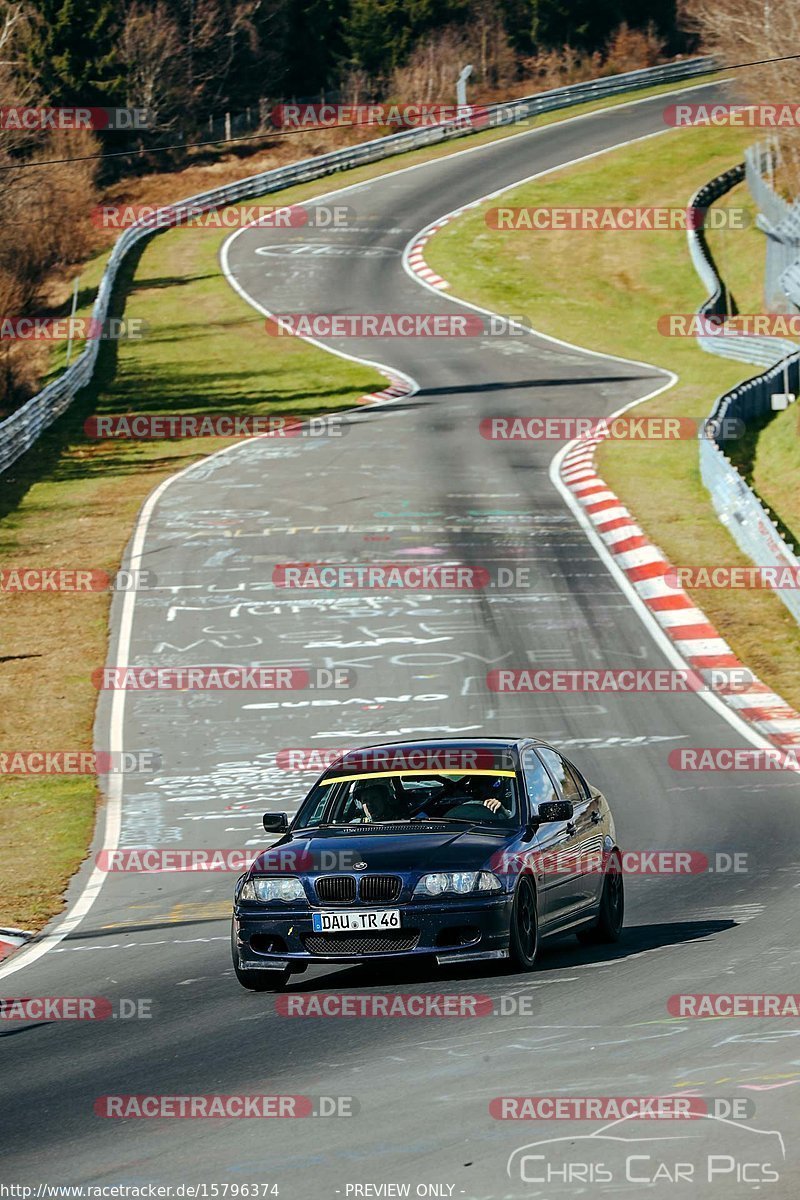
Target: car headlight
[[460, 882], [284, 888]]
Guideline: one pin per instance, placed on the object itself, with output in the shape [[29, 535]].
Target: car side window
[[538, 783], [568, 782], [584, 791], [317, 809]]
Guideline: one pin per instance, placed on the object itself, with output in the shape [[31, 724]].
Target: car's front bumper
[[463, 931]]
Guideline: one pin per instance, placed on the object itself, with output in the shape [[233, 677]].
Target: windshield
[[413, 797]]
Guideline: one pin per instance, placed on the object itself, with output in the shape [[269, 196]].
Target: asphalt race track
[[412, 481]]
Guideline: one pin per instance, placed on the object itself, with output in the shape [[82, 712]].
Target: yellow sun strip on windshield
[[409, 774]]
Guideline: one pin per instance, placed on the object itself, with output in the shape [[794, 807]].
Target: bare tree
[[429, 74], [44, 217], [16, 83], [152, 48], [630, 49], [495, 61], [739, 31], [218, 28]]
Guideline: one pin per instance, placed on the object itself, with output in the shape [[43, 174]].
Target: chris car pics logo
[[729, 1153]]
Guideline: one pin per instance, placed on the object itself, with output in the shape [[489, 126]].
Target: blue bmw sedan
[[455, 850]]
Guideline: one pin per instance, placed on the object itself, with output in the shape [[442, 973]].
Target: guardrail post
[[72, 317], [461, 86]]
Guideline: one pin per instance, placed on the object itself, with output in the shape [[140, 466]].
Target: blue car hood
[[450, 849]]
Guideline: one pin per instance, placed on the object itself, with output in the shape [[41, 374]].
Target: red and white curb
[[11, 940], [687, 626], [397, 387], [416, 257]]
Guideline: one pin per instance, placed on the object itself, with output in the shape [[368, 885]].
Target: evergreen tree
[[316, 47], [72, 51], [587, 24], [519, 17], [380, 33]]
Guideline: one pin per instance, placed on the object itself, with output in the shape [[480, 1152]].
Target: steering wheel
[[473, 809]]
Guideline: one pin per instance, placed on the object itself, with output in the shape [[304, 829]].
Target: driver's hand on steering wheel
[[493, 804]]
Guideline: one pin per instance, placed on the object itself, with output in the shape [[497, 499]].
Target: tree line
[[186, 58]]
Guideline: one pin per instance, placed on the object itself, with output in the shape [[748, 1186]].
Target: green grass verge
[[739, 254], [71, 502], [606, 291], [776, 471]]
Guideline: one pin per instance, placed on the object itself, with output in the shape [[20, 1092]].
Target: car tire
[[611, 912], [523, 940], [257, 981]]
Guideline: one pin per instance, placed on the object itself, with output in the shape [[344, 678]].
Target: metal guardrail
[[737, 506], [19, 431], [780, 222], [763, 351], [761, 159]]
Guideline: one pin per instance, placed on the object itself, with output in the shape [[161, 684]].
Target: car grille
[[380, 889], [336, 889], [391, 940]]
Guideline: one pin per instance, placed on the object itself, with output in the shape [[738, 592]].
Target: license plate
[[369, 919]]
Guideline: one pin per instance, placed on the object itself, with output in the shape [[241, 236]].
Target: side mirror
[[276, 822], [556, 810]]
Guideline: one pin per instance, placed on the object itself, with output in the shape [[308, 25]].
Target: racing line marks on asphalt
[[131, 945]]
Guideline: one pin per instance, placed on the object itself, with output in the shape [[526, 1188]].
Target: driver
[[493, 792], [380, 802]]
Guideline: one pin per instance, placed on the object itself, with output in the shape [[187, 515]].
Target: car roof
[[447, 741], [507, 743], [510, 745]]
